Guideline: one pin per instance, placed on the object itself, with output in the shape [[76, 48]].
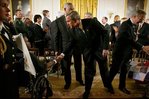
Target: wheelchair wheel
[[41, 88]]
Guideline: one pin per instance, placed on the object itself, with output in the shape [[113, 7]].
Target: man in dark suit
[[122, 51], [61, 35], [18, 23], [8, 77], [95, 48], [114, 30], [143, 33], [46, 23], [106, 25], [39, 34]]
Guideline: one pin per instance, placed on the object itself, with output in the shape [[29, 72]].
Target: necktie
[[137, 34], [139, 27]]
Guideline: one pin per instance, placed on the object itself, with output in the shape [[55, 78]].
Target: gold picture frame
[[24, 5], [133, 5]]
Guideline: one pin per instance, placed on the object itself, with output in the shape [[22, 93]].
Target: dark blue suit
[[97, 40], [122, 51], [143, 37]]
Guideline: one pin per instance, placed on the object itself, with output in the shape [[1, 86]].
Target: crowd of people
[[68, 36]]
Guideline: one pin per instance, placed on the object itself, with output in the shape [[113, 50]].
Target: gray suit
[[47, 22], [122, 51], [62, 37]]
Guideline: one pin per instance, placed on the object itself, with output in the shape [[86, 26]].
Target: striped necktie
[[138, 31]]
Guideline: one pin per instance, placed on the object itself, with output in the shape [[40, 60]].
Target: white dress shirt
[[2, 26]]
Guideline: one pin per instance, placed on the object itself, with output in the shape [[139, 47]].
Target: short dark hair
[[141, 12], [68, 4], [89, 13], [106, 18], [44, 12], [18, 10], [138, 12], [36, 17], [74, 15]]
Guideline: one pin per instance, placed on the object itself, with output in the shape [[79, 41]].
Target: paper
[[28, 64]]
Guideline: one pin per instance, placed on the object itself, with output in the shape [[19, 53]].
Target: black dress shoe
[[125, 90], [85, 95], [67, 86], [110, 88]]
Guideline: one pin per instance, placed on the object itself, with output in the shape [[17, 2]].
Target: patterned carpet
[[98, 91]]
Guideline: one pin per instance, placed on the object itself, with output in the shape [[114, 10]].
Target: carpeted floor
[[98, 91]]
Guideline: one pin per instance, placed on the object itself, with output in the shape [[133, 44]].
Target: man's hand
[[146, 49], [105, 53], [46, 29], [56, 54], [59, 58]]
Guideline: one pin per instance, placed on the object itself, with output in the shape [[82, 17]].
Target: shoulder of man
[[61, 18]]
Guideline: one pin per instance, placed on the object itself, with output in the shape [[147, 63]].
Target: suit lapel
[[142, 28], [133, 29], [86, 23], [7, 30]]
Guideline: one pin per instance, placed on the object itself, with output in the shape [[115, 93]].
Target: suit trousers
[[119, 64], [78, 65], [67, 71], [90, 69]]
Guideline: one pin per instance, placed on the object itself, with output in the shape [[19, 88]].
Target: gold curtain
[[82, 6]]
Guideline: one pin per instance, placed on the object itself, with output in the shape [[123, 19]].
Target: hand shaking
[[146, 49], [59, 58]]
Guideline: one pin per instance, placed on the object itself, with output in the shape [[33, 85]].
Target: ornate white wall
[[52, 5], [147, 9], [105, 7], [113, 7]]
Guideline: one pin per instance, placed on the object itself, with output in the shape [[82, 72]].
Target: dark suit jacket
[[113, 36], [31, 33], [125, 41], [94, 40], [39, 33], [20, 27], [97, 36], [47, 22], [143, 37], [77, 41], [108, 28], [60, 34]]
